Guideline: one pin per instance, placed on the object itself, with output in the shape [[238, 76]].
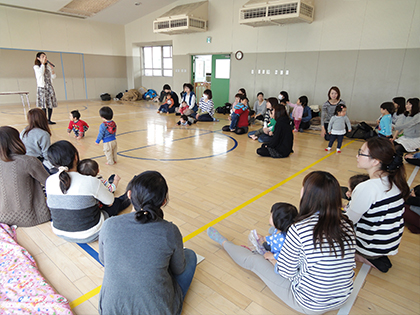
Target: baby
[[186, 121]]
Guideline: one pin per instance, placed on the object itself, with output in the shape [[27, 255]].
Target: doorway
[[212, 72]]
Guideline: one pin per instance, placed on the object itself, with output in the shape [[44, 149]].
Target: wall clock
[[239, 55]]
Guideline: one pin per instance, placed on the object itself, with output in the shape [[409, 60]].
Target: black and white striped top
[[377, 215], [320, 281]]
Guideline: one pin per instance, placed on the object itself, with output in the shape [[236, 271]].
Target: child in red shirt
[[78, 126]]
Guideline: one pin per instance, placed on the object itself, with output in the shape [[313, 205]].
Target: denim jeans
[[184, 279]]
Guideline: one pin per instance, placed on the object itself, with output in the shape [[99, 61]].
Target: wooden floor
[[211, 176]]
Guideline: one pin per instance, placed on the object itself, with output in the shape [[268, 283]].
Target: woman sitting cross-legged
[[313, 273], [147, 270]]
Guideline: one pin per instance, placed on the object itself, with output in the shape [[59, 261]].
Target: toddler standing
[[107, 133], [297, 112], [78, 126], [337, 126], [385, 121]]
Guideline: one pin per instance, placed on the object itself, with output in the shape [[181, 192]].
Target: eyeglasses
[[359, 153]]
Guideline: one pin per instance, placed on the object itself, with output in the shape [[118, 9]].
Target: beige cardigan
[[22, 200]]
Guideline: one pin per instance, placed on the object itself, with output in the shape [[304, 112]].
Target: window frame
[[158, 70]]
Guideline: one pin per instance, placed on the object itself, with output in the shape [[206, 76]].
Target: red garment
[[78, 127], [243, 119]]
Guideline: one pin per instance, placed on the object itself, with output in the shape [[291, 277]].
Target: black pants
[[327, 136], [339, 140], [399, 148], [205, 117], [305, 125], [238, 131], [49, 113], [120, 203], [263, 151], [413, 161]]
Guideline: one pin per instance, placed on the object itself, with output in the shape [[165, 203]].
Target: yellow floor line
[[95, 291]]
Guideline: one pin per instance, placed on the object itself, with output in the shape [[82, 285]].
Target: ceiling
[[122, 12]]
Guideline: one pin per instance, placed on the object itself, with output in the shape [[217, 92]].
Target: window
[[157, 61]]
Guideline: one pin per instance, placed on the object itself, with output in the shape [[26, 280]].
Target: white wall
[[64, 39], [370, 44]]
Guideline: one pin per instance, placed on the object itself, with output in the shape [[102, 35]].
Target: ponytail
[[64, 178]]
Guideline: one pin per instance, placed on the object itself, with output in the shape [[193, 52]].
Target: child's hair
[[303, 100], [283, 215], [37, 119], [169, 94], [149, 192], [285, 96], [260, 93], [238, 95], [417, 190], [63, 154], [106, 113], [322, 196], [208, 93], [184, 117], [75, 114], [400, 101], [339, 108], [88, 167], [356, 180], [414, 106], [389, 107], [241, 97]]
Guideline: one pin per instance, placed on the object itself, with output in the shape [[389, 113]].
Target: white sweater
[[39, 74]]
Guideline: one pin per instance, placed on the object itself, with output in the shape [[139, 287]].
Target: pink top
[[297, 111]]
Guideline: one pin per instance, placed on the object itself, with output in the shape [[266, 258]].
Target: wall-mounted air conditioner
[[187, 18], [264, 13]]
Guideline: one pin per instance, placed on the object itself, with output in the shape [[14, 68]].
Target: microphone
[[50, 63]]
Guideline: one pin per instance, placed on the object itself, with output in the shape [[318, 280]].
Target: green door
[[220, 76]]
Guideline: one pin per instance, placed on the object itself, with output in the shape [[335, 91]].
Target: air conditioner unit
[[187, 18], [264, 13]]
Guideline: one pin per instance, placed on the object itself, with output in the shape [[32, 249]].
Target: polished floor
[[214, 178]]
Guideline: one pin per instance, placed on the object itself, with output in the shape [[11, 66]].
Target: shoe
[[111, 178], [328, 149], [256, 243], [295, 130], [51, 122], [338, 150]]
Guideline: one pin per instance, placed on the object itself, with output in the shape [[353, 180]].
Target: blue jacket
[[105, 135]]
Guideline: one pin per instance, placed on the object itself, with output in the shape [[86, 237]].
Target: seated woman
[[413, 158], [306, 118], [263, 134], [37, 136], [377, 205], [73, 197], [319, 245], [260, 107], [147, 270], [206, 107], [239, 116], [281, 143], [188, 100], [409, 124], [23, 200]]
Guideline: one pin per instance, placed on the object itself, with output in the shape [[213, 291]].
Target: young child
[[297, 112], [90, 167], [164, 108], [107, 133], [78, 126], [385, 121], [355, 180], [337, 127], [270, 126], [282, 217], [237, 110], [186, 121]]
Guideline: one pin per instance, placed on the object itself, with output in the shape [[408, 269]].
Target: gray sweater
[[338, 123], [139, 262], [328, 111], [410, 125], [37, 142]]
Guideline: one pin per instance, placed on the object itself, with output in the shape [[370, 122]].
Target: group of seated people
[[147, 268]]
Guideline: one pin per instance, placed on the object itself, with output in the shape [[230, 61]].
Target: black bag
[[105, 97], [364, 126], [119, 95], [361, 131], [224, 109]]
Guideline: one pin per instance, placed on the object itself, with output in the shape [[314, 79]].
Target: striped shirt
[[377, 215], [206, 106], [320, 280]]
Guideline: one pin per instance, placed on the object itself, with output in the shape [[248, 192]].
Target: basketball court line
[[95, 291]]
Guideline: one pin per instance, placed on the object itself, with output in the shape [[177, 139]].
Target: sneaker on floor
[[51, 122], [338, 150], [328, 149]]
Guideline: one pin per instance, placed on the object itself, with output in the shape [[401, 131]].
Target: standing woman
[[44, 74], [281, 142], [22, 201], [313, 273], [409, 123], [328, 110], [37, 136], [377, 205], [147, 269]]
